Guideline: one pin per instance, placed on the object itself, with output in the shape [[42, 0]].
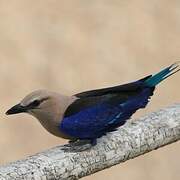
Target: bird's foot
[[70, 143], [79, 145]]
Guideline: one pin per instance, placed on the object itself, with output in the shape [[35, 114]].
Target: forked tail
[[162, 75]]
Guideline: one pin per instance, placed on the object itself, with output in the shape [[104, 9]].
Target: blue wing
[[97, 112], [95, 121]]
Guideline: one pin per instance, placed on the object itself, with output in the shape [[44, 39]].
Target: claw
[[78, 146]]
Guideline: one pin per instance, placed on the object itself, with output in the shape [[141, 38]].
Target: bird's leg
[[70, 142], [93, 142], [82, 142], [81, 145]]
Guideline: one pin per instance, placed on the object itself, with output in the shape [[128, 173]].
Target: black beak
[[16, 109]]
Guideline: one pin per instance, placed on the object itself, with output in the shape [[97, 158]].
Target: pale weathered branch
[[133, 139]]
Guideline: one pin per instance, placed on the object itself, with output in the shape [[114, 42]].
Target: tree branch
[[133, 139]]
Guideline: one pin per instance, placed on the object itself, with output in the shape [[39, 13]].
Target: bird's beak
[[17, 109]]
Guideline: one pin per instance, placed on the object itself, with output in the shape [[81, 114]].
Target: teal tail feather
[[162, 75]]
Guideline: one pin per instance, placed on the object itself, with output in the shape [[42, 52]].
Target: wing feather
[[97, 112]]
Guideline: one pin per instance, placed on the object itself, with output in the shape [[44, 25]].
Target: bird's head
[[47, 107], [41, 104]]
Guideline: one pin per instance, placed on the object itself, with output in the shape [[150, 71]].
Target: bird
[[91, 114]]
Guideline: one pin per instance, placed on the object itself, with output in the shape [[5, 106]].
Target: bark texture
[[133, 139]]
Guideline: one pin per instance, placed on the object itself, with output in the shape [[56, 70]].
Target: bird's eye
[[35, 103]]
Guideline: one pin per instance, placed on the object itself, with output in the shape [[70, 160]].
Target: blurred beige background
[[71, 46]]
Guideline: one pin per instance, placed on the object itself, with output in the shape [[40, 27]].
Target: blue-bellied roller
[[91, 114]]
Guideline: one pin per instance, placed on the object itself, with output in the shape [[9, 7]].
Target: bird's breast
[[51, 124], [54, 129]]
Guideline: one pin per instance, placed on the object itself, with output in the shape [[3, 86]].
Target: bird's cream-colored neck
[[51, 113]]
